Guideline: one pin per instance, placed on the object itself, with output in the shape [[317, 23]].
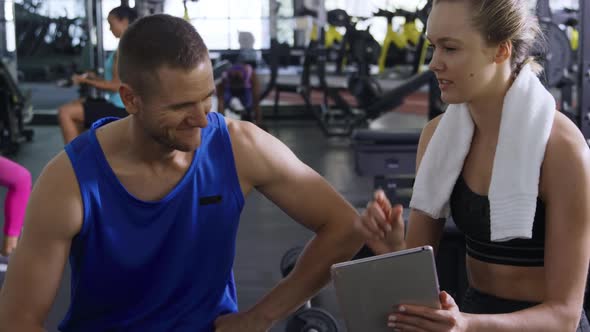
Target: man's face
[[176, 109]]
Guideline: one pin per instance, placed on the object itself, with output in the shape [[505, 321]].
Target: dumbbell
[[306, 318]]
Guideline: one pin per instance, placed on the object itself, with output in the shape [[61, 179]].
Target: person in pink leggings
[[18, 181]]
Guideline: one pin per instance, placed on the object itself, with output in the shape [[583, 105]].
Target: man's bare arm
[[268, 165], [53, 218]]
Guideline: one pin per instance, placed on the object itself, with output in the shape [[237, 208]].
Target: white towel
[[527, 119]]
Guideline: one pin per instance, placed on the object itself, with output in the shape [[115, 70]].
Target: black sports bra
[[471, 214]]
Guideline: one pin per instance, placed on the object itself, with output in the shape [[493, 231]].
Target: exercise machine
[[399, 47], [566, 67]]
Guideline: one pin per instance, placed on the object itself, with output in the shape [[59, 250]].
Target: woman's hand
[[425, 319], [9, 245], [79, 79], [383, 225], [91, 75]]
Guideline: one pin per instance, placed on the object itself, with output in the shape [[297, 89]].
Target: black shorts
[[96, 109], [476, 302]]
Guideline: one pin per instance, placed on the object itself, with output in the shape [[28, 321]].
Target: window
[[220, 21], [56, 8], [61, 14], [10, 42], [285, 22]]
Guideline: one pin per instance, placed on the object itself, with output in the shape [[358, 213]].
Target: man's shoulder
[[241, 130], [60, 165], [56, 196]]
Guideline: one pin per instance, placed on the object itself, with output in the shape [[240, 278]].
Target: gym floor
[[265, 233]]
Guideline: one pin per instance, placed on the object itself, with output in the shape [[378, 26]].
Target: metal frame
[[99, 50], [94, 21], [584, 70], [9, 57]]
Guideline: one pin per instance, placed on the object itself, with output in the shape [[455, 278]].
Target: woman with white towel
[[512, 172]]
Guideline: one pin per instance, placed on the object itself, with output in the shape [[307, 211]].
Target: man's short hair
[[156, 41]]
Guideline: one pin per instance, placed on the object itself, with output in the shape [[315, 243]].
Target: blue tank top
[[113, 97], [155, 266]]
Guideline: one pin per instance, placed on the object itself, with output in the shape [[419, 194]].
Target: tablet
[[368, 289]]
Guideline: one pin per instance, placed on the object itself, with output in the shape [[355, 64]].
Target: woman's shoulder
[[430, 127], [565, 138], [567, 155], [425, 136]]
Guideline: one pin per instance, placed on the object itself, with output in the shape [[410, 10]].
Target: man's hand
[[241, 321]]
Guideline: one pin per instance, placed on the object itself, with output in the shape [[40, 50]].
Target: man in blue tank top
[[146, 208]]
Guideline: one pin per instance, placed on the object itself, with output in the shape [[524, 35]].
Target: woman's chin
[[449, 98]]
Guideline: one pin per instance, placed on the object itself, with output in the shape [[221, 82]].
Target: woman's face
[[117, 26], [462, 62]]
